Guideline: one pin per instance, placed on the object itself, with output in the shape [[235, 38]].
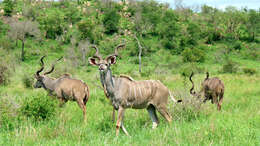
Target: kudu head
[[40, 78], [104, 64], [194, 93]]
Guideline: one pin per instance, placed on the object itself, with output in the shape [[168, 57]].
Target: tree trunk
[[22, 54], [140, 54], [83, 56]]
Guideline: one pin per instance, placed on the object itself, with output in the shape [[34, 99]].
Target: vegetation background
[[174, 42]]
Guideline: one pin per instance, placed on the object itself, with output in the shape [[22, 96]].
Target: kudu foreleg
[[152, 113], [120, 117], [113, 115]]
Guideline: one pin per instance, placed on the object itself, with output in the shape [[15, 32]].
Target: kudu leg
[[119, 119], [62, 102], [123, 128], [152, 113], [220, 101], [113, 115], [83, 107]]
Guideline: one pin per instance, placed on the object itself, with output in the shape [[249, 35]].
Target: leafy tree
[[8, 7], [52, 22], [20, 30], [110, 21]]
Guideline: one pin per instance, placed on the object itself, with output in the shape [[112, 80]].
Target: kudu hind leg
[[220, 101], [83, 107], [152, 113]]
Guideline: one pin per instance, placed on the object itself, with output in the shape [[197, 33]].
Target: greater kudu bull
[[212, 89], [124, 92], [64, 87]]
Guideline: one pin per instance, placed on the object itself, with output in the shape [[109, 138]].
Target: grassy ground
[[237, 124]]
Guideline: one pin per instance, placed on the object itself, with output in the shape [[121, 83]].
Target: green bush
[[193, 55], [3, 27], [6, 43], [230, 67], [8, 7], [237, 45], [27, 80], [190, 109], [8, 113], [111, 20], [212, 36], [52, 21], [185, 71], [38, 107], [4, 73], [90, 29], [250, 71]]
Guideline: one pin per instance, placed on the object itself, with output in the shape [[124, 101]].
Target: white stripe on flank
[[130, 91], [135, 90], [149, 87], [140, 90]]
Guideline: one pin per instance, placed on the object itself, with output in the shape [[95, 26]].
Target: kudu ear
[[111, 59], [93, 61]]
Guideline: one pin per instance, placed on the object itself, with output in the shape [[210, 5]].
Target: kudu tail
[[173, 99]]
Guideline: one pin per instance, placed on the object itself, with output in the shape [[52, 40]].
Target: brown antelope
[[124, 92], [64, 87], [212, 89]]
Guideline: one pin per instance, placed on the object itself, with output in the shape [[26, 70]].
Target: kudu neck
[[49, 83], [107, 80]]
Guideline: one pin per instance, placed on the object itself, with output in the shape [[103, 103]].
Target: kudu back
[[124, 92], [64, 87], [212, 89]]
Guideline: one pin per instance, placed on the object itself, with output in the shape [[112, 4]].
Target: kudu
[[64, 87], [124, 92], [212, 89]]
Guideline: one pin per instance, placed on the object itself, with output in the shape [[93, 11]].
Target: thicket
[[181, 30]]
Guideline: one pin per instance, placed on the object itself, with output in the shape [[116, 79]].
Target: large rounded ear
[[111, 59], [93, 61]]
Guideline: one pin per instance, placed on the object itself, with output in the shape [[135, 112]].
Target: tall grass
[[193, 123]]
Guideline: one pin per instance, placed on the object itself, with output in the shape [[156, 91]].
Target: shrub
[[55, 17], [4, 74], [38, 107], [8, 113], [8, 7], [193, 55], [186, 70], [237, 45], [111, 20], [230, 67], [250, 71], [213, 36], [3, 27], [90, 29], [27, 80], [6, 43], [190, 109]]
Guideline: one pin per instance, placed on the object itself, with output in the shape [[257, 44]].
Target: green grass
[[237, 124]]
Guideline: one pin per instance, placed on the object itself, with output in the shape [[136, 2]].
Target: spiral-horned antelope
[[212, 89], [124, 92], [64, 87]]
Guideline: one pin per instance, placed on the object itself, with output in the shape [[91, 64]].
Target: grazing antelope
[[64, 87], [212, 89], [124, 92]]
